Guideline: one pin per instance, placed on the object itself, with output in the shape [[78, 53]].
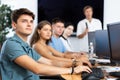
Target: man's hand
[[84, 60], [80, 69], [83, 34]]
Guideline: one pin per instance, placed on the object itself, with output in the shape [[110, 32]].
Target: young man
[[89, 24], [58, 28], [19, 61]]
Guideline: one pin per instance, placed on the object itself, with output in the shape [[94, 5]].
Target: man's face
[[58, 28], [24, 25], [88, 13]]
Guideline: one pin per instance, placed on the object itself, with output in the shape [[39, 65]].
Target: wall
[[15, 4], [111, 11], [111, 8], [30, 4]]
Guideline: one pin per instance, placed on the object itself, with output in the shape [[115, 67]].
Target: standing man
[[89, 24]]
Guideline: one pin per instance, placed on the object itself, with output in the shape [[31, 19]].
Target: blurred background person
[[89, 24]]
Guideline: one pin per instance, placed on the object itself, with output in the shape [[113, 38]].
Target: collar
[[19, 40], [63, 37]]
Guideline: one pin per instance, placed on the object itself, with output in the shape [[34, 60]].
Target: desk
[[78, 77], [71, 77], [61, 77], [105, 69]]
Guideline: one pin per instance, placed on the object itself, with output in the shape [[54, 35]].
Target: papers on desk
[[109, 68], [102, 60], [111, 78]]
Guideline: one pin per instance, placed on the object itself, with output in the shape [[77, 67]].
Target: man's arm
[[74, 55], [83, 34], [79, 56], [80, 31], [43, 69], [50, 62], [39, 68], [58, 63]]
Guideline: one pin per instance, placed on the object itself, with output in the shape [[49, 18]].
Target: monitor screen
[[102, 44], [114, 40]]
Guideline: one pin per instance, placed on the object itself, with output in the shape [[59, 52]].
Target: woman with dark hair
[[65, 36], [36, 36]]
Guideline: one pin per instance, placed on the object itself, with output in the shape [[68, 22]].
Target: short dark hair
[[56, 20], [87, 7], [68, 24], [18, 12]]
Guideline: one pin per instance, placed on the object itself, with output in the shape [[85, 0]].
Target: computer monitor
[[102, 44], [114, 41]]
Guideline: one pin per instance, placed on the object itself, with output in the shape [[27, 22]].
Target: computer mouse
[[92, 62], [118, 79], [91, 77]]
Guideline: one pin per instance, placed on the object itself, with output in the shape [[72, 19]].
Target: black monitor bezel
[[109, 39]]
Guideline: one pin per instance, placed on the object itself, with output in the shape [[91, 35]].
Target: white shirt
[[66, 43], [94, 25]]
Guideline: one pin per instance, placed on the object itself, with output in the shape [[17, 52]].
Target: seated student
[[64, 37], [40, 40], [19, 61], [58, 28]]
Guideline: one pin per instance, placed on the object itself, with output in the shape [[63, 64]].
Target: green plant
[[5, 21]]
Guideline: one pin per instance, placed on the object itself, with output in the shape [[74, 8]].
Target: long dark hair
[[35, 37]]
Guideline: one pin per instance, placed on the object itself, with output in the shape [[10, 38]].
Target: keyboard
[[97, 72], [115, 74]]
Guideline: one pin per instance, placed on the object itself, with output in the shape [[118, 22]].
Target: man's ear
[[13, 25]]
